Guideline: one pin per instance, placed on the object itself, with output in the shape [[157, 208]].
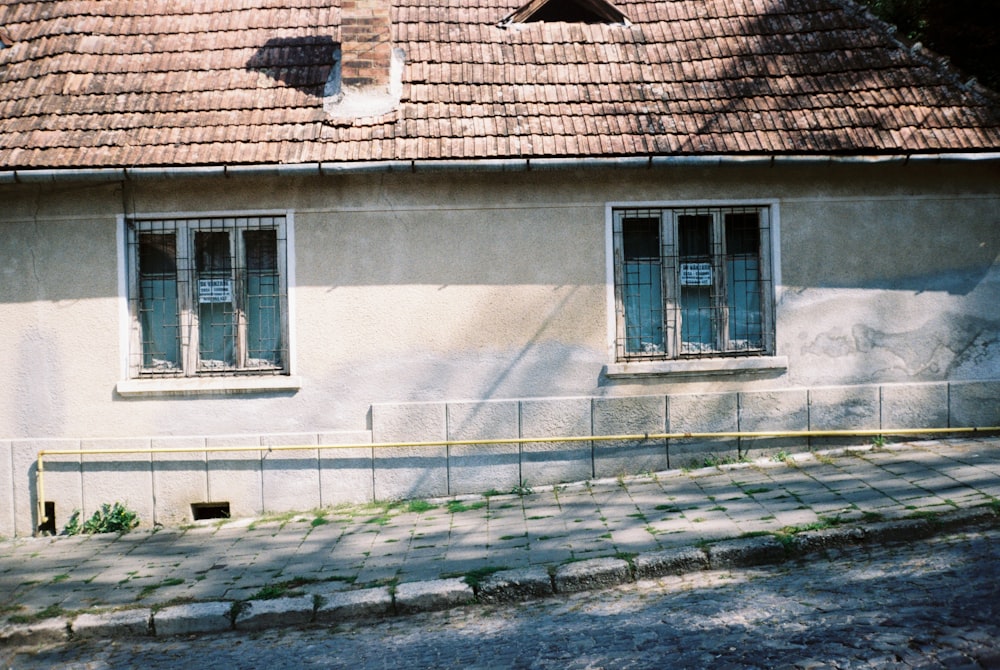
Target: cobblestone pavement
[[929, 604]]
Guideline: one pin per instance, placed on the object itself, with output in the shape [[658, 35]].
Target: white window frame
[[189, 379], [673, 362]]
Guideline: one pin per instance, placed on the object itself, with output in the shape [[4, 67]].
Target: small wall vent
[[209, 510], [49, 525]]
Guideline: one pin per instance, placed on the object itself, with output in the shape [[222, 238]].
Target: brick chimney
[[365, 49]]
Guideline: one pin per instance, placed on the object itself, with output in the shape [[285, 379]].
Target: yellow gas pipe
[[40, 470]]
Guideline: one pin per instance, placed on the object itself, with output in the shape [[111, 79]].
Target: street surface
[[929, 604]]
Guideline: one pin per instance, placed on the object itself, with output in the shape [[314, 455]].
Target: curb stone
[[809, 541], [745, 551], [261, 614], [339, 606], [967, 517], [900, 530], [213, 617], [595, 573], [508, 586], [46, 631], [670, 562], [124, 623], [434, 594]]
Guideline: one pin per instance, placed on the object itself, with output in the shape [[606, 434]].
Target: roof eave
[[29, 175]]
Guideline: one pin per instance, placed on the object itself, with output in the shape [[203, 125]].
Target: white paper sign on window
[[215, 290], [696, 274]]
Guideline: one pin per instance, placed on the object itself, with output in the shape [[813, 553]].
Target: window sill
[[702, 367], [207, 385]]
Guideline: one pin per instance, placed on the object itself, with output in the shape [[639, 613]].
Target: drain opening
[[210, 510], [49, 525]]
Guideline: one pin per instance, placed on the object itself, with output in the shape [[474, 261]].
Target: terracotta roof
[[102, 83]]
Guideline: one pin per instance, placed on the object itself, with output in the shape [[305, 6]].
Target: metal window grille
[[692, 282], [208, 296]]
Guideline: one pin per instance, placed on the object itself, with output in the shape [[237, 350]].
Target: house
[[233, 235]]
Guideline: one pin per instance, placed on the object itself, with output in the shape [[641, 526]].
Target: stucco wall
[[450, 288]]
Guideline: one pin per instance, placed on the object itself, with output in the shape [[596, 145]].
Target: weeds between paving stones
[[150, 588], [50, 612], [715, 461], [457, 506], [475, 577], [108, 519], [522, 489]]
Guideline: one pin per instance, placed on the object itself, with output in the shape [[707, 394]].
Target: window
[[692, 282], [207, 297]]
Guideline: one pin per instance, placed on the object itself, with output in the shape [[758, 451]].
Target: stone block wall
[[258, 474]]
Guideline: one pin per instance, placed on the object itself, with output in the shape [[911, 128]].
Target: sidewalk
[[365, 561]]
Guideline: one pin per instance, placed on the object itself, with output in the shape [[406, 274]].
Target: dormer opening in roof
[[567, 11], [367, 73]]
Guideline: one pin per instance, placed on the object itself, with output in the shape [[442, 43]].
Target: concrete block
[[596, 573], [844, 408], [975, 404], [476, 468], [263, 614], [702, 413], [46, 631], [126, 478], [63, 482], [410, 472], [193, 618], [914, 406], [555, 462], [337, 606], [235, 476], [6, 489], [670, 562], [290, 479], [434, 594], [745, 552], [762, 411], [123, 623], [629, 416], [508, 586], [179, 478], [346, 475]]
